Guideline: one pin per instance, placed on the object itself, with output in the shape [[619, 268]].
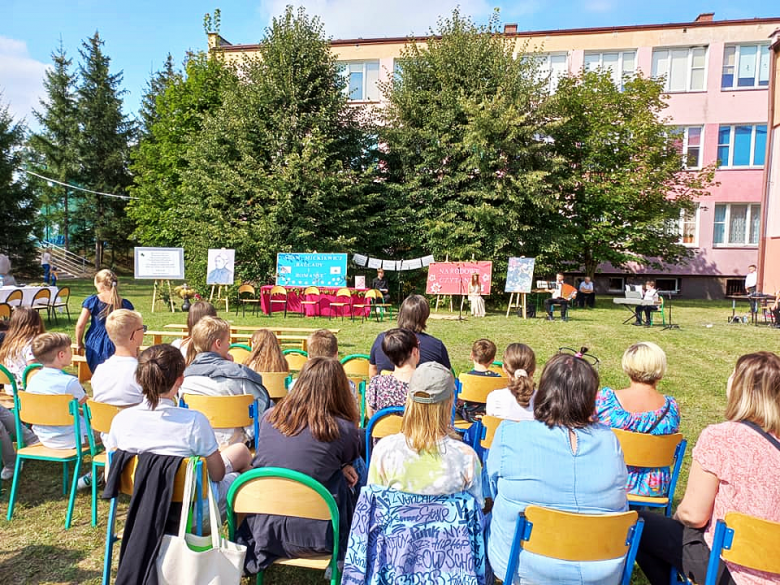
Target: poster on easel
[[159, 264], [311, 269], [520, 275], [454, 278], [220, 268]]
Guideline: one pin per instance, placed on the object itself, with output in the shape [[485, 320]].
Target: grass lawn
[[35, 547]]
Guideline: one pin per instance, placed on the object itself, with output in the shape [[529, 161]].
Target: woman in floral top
[[640, 408], [400, 345]]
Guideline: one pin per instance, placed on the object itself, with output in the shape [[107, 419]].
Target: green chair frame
[[288, 474], [26, 374], [660, 310], [240, 345], [363, 384], [81, 450]]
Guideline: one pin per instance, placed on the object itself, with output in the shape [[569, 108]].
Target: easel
[[520, 300], [155, 298], [438, 297], [220, 298]]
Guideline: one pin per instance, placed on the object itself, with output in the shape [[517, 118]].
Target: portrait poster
[[520, 275], [311, 269], [453, 278], [220, 269], [158, 263]]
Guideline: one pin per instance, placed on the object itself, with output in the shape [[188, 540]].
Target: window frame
[[696, 227], [544, 63], [689, 67], [732, 133], [683, 133], [621, 60], [622, 280], [345, 72], [750, 205], [674, 291], [760, 46]]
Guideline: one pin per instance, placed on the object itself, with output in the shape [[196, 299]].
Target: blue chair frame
[[254, 414], [378, 415]]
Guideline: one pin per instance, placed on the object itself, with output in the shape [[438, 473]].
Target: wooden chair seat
[[101, 458], [652, 500], [318, 562], [38, 451]]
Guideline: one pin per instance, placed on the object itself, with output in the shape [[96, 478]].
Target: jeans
[[8, 430], [46, 268]]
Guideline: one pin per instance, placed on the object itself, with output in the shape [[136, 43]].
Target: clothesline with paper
[[395, 265]]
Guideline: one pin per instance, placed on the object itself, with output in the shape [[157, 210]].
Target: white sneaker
[[7, 473], [85, 482]]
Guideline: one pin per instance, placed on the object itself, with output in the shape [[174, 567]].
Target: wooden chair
[[306, 299], [276, 383], [127, 486], [346, 301], [239, 351], [384, 423], [489, 427], [277, 291], [475, 388], [28, 373], [60, 300], [226, 412], [382, 306], [660, 310], [284, 492], [247, 296], [296, 359], [5, 311], [7, 380], [42, 302], [100, 415], [745, 541], [371, 299], [642, 450], [498, 368], [356, 368], [50, 410], [576, 537], [17, 297]]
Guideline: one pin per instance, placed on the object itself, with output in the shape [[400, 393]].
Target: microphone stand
[[460, 291], [670, 325]]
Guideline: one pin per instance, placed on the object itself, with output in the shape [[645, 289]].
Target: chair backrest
[[311, 290], [497, 367], [344, 292], [63, 294], [15, 296], [5, 311], [239, 351], [746, 541], [246, 288], [276, 383], [278, 290], [43, 293], [57, 410], [374, 294], [576, 537], [489, 426], [356, 365], [642, 450], [7, 379], [223, 412], [29, 372], [386, 373], [476, 388], [384, 423], [296, 358], [127, 481], [101, 414]]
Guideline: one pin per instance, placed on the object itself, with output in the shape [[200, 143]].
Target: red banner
[[453, 278]]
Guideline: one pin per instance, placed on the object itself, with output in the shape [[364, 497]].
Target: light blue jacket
[[530, 463]]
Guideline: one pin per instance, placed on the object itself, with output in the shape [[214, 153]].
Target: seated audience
[[427, 457], [158, 426], [323, 343], [266, 353], [735, 468], [413, 314], [312, 430], [198, 310], [642, 409], [483, 352], [16, 352], [400, 345], [561, 460], [516, 401], [114, 380], [586, 295], [211, 372]]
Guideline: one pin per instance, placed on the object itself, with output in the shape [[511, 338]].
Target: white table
[[28, 292]]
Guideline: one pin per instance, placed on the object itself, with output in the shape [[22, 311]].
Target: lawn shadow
[[35, 564], [41, 481]]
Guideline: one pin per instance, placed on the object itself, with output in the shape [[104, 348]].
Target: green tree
[[464, 157], [55, 144], [103, 150], [18, 206], [624, 183], [156, 86]]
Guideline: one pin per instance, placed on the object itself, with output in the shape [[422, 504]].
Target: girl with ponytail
[[515, 402], [95, 308]]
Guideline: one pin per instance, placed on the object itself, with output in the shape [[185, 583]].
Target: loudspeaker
[[530, 312]]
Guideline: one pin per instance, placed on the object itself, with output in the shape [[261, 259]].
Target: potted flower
[[186, 293]]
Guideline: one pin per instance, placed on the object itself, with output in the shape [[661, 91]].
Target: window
[[689, 227], [688, 140], [616, 284], [620, 64], [745, 66], [550, 66], [736, 224], [684, 69], [742, 146], [735, 286], [362, 78], [667, 285]]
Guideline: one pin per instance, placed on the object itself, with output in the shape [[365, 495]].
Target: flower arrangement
[[185, 292]]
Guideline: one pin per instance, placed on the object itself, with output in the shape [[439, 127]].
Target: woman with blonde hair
[[735, 468], [198, 310], [516, 401], [16, 350], [427, 457], [312, 430], [266, 353], [95, 308], [641, 408]]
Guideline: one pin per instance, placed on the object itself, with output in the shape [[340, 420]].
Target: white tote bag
[[215, 560]]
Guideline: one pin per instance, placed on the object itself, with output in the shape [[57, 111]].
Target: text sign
[[311, 270], [159, 263], [454, 278], [519, 275]]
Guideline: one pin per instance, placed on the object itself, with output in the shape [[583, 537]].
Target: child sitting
[[400, 345], [483, 352], [114, 381], [322, 343], [516, 401]]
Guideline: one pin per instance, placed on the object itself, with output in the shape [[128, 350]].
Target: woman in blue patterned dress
[[641, 408], [95, 308]]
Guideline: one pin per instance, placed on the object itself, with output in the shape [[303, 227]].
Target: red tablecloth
[[321, 309]]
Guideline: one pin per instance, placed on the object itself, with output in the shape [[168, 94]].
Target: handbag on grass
[[199, 560]]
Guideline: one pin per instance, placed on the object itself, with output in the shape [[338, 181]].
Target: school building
[[719, 75]]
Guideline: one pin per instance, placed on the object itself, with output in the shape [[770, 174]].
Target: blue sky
[[139, 34]]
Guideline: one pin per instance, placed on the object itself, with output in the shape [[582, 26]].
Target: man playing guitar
[[562, 295]]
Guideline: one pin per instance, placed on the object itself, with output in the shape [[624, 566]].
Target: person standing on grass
[[46, 264]]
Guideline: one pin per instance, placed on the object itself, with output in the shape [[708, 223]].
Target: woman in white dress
[[475, 297]]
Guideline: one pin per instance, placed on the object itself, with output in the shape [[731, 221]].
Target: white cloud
[[599, 5], [349, 19], [21, 79]]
